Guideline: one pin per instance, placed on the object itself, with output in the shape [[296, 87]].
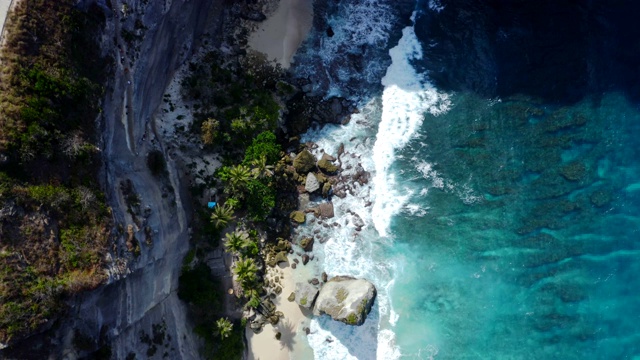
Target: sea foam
[[406, 98]]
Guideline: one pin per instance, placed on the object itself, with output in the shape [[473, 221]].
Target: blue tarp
[[211, 204]]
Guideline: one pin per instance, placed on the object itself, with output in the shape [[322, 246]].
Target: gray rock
[[314, 281], [326, 210], [305, 259], [303, 200], [346, 299], [305, 295], [324, 276], [327, 157], [312, 184]]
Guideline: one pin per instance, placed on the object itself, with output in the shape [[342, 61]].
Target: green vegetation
[[235, 104], [237, 116], [225, 327], [55, 226], [352, 319], [222, 215], [199, 288]]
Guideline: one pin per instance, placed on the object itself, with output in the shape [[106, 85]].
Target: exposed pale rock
[[346, 299], [303, 200], [311, 183], [305, 295]]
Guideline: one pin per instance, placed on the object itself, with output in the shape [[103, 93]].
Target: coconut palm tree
[[224, 327], [239, 176], [260, 168], [236, 241], [246, 270], [222, 215]]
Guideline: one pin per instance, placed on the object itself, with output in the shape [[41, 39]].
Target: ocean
[[502, 215]]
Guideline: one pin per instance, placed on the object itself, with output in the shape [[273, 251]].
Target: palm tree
[[222, 215], [224, 327], [246, 270], [236, 241], [260, 168], [239, 176]]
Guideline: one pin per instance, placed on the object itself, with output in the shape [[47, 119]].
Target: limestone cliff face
[[138, 312]]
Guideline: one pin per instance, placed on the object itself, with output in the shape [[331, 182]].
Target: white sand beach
[[280, 35], [265, 346]]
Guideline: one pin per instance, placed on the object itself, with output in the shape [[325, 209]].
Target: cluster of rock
[[343, 298], [266, 313]]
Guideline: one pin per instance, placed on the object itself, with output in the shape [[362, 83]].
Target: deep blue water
[[506, 177]]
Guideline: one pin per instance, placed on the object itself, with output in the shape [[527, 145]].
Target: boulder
[[328, 157], [281, 257], [307, 244], [304, 162], [305, 259], [305, 295], [326, 189], [297, 216], [325, 210], [277, 258], [303, 200], [346, 299], [327, 167], [311, 183]]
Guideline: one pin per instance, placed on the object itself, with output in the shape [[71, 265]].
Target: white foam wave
[[406, 98]]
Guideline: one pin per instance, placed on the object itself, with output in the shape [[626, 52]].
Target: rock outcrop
[[346, 299], [297, 216], [327, 167], [311, 183], [305, 295], [325, 210], [304, 162], [307, 244]]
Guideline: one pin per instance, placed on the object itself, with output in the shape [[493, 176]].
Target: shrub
[[264, 144]]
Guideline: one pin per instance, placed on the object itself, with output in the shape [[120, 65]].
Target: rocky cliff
[[137, 314]]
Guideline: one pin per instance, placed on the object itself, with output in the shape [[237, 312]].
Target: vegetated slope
[[54, 224]]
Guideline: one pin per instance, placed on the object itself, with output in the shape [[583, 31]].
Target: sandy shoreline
[[280, 35], [265, 346]]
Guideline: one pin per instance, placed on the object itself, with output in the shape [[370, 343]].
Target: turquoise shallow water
[[496, 225], [521, 237]]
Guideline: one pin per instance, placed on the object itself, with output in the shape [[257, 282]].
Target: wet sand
[[280, 35]]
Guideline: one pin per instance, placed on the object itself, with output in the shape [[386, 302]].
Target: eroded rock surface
[[305, 295], [346, 299]]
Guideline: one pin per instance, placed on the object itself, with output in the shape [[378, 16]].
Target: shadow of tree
[[288, 332]]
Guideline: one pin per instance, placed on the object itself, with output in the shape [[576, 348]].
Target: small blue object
[[211, 204]]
